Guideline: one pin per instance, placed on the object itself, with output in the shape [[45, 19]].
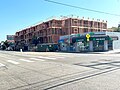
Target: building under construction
[[50, 31]]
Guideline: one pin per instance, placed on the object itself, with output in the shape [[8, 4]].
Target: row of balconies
[[45, 33], [43, 29], [30, 35], [32, 29], [90, 25]]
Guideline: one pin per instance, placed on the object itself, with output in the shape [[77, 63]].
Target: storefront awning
[[114, 37]]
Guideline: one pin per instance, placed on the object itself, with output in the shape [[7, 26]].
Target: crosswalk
[[36, 59], [26, 60], [13, 62], [51, 58], [2, 65], [17, 60]]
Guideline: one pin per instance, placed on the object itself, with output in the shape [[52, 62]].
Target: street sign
[[88, 36]]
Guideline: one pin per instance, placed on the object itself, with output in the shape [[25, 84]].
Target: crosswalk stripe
[[13, 62], [26, 60], [46, 57], [37, 59], [2, 65], [62, 55], [57, 57]]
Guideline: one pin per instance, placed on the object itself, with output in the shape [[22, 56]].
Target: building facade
[[50, 31], [116, 43], [91, 41]]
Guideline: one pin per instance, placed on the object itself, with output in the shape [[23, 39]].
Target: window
[[75, 30], [85, 23], [95, 24], [75, 21], [52, 31], [60, 31], [91, 24], [98, 25], [85, 30], [80, 22], [55, 31], [64, 33], [98, 30], [91, 30], [104, 26]]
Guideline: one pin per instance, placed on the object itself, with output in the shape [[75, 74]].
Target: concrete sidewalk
[[116, 51]]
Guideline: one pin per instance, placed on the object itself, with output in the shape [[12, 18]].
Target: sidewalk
[[116, 51]]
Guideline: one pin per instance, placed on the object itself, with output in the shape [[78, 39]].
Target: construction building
[[50, 31]]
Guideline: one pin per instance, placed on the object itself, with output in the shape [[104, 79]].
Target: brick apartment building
[[49, 31]]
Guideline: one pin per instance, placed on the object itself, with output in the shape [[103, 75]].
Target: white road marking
[[26, 60], [46, 57], [57, 57], [62, 55], [2, 65], [65, 56], [37, 59], [13, 62]]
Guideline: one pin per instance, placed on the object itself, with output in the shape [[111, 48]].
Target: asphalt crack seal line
[[78, 79]]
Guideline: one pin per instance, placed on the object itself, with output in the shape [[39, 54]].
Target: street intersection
[[59, 71]]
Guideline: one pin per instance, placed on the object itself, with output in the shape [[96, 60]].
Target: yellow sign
[[87, 36]]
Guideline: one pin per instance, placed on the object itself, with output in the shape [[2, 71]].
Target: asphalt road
[[59, 71]]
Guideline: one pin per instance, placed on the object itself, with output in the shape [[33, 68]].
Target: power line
[[82, 8]]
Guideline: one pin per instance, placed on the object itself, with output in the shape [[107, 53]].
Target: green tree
[[116, 29], [7, 44], [4, 45]]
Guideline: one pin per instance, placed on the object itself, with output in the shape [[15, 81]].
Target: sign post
[[21, 50]]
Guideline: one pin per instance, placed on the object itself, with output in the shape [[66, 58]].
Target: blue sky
[[16, 15]]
